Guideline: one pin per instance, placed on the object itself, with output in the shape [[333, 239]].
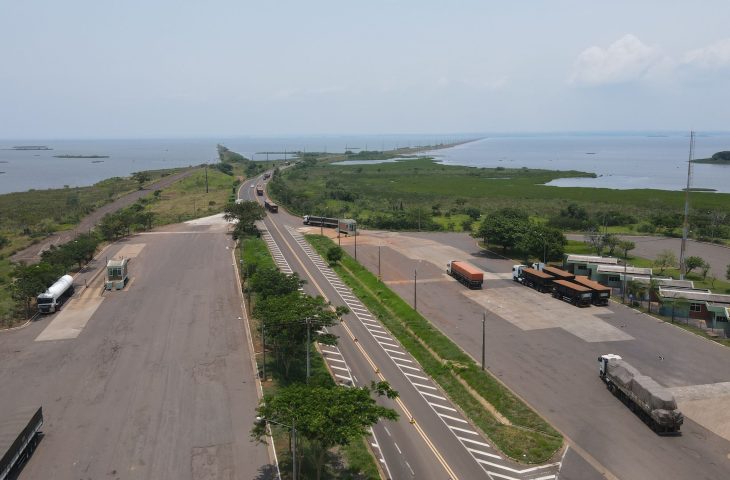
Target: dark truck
[[654, 404], [19, 435], [558, 273], [533, 278], [572, 293], [600, 293]]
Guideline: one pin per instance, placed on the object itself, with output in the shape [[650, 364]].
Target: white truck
[[52, 299], [654, 404]]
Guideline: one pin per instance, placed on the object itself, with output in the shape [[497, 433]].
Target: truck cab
[[517, 272], [603, 362]]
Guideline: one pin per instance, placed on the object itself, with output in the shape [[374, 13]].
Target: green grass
[[529, 439], [423, 183], [188, 199]]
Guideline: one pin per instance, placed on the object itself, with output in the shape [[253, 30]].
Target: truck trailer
[[271, 206], [347, 226], [600, 293], [558, 273], [467, 274], [654, 404], [260, 190], [533, 278], [572, 293], [19, 435], [52, 299]]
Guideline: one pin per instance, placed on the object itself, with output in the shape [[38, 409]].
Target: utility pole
[[379, 277], [415, 284], [355, 245], [685, 226], [206, 178], [263, 342], [484, 336], [308, 346], [623, 290]]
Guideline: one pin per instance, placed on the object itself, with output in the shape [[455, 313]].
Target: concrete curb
[[28, 322]]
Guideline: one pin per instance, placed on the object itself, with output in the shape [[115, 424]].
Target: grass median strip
[[528, 438]]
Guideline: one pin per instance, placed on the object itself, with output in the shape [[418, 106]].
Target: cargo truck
[[260, 190], [557, 273], [52, 299], [654, 404], [467, 274], [347, 226], [599, 292], [533, 278], [572, 293], [19, 435], [271, 206]]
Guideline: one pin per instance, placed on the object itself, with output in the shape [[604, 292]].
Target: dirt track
[[32, 253]]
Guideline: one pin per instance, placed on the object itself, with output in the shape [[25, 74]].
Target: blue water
[[620, 161], [25, 170]]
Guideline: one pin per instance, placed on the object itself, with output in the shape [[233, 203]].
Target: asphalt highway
[[432, 439]]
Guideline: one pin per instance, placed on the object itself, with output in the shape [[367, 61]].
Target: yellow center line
[[375, 368]]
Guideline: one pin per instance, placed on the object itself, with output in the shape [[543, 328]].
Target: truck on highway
[[271, 206], [267, 175], [347, 226], [572, 293], [533, 278], [19, 435], [600, 293], [465, 273], [52, 299], [260, 190], [654, 404]]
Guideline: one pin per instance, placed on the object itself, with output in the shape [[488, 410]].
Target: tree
[[245, 214], [542, 242], [504, 227], [611, 241], [653, 291], [334, 254], [4, 242], [286, 320], [636, 290], [268, 282], [727, 273], [594, 238], [690, 263], [326, 416], [32, 280], [664, 260], [705, 269], [141, 178], [626, 246]]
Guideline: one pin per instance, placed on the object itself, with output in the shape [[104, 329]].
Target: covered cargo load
[[558, 273], [656, 405], [18, 438], [601, 293], [572, 293], [465, 273], [540, 281]]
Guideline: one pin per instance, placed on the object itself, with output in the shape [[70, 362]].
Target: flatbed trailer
[[558, 273], [19, 435]]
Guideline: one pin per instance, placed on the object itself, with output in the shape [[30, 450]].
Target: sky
[[177, 68]]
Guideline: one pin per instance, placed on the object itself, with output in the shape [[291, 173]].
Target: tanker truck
[[52, 299], [654, 404], [470, 276]]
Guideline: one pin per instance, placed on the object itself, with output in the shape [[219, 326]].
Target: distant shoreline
[[81, 156]]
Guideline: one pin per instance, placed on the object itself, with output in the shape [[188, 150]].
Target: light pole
[[623, 290], [484, 336], [293, 429], [355, 245], [379, 277], [415, 284]]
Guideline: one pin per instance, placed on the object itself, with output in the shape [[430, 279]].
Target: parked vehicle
[[654, 404], [572, 293], [260, 190], [52, 299], [271, 206], [533, 278], [600, 293], [19, 435], [465, 273], [558, 273]]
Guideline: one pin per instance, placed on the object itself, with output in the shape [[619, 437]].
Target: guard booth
[[117, 274], [347, 226]]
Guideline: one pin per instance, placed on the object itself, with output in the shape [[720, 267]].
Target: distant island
[[720, 158], [31, 147], [81, 156]]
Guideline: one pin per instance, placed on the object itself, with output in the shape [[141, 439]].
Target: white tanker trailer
[[52, 299]]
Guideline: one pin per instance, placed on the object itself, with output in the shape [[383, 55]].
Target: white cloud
[[625, 60], [714, 56]]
